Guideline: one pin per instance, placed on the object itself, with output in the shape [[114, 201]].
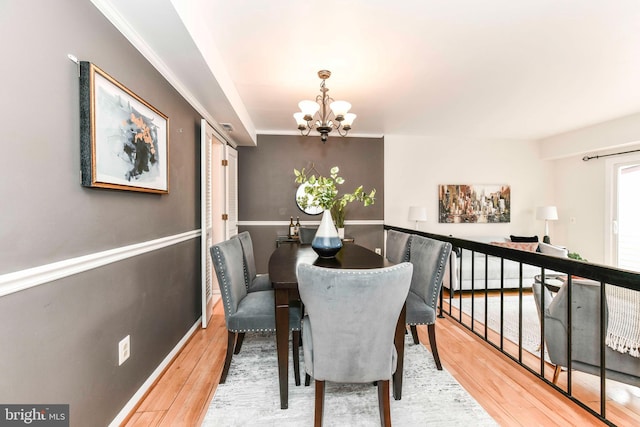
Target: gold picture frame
[[124, 140]]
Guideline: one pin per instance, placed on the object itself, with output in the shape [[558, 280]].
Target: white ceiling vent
[[227, 126]]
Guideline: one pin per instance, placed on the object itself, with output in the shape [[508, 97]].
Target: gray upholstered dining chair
[[429, 258], [398, 246], [253, 281], [348, 335], [247, 311]]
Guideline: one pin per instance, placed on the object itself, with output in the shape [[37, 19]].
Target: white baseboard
[[122, 415]]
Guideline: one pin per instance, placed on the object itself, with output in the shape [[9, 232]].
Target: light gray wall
[[266, 185], [58, 341], [582, 193], [416, 165], [582, 189]]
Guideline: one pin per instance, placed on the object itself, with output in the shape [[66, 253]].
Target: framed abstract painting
[[474, 203], [124, 140]]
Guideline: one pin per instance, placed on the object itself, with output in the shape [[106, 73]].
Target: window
[[623, 229], [628, 225]]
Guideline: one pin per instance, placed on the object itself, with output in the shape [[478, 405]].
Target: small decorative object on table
[[323, 192]]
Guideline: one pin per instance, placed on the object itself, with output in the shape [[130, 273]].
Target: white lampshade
[[309, 108], [547, 213], [417, 213], [348, 119], [300, 119], [340, 108]]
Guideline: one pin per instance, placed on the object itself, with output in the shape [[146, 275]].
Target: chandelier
[[324, 114]]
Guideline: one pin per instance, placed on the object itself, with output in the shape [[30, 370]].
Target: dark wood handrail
[[588, 270]]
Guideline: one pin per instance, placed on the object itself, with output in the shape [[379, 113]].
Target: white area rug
[[530, 319], [250, 396]]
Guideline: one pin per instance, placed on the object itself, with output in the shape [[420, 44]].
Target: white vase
[[341, 232], [326, 242]]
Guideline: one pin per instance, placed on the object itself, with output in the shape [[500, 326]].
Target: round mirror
[[311, 210]]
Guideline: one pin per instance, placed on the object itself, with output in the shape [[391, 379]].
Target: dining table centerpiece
[[322, 191]]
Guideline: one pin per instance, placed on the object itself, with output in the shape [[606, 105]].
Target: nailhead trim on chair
[[407, 253], [441, 266], [259, 330], [227, 301], [367, 272], [247, 280], [439, 272]]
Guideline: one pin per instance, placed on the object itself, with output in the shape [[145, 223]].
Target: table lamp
[[417, 213], [547, 213]]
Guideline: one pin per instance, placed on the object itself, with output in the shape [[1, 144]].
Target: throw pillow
[[524, 238], [522, 246], [552, 250]]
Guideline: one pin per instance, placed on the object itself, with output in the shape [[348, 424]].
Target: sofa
[[462, 279], [585, 337]]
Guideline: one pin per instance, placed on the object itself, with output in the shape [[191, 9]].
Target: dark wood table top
[[284, 262]]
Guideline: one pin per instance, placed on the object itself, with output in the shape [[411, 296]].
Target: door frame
[[611, 205], [212, 225]]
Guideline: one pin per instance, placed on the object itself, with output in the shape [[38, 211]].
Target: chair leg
[[434, 347], [231, 338], [556, 373], [296, 356], [414, 334], [307, 379], [317, 419], [383, 403], [239, 343]]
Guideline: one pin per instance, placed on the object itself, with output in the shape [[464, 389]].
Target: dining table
[[283, 265]]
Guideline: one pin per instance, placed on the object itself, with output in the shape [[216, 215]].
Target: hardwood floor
[[509, 393]]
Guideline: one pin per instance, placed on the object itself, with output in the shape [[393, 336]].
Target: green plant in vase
[[338, 214], [322, 191]]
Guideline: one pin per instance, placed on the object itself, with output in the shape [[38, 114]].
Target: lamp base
[[546, 240]]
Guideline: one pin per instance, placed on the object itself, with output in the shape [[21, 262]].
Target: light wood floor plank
[[509, 393]]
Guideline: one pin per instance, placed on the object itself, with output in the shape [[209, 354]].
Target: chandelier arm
[[340, 130], [303, 133]]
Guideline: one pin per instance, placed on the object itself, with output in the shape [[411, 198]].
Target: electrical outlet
[[124, 350], [379, 251]]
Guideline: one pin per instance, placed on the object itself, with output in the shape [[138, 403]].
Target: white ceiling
[[507, 69]]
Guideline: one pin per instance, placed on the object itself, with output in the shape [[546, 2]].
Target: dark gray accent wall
[[266, 184], [42, 199], [58, 341]]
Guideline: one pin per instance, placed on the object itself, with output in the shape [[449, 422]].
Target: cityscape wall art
[[459, 204]]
